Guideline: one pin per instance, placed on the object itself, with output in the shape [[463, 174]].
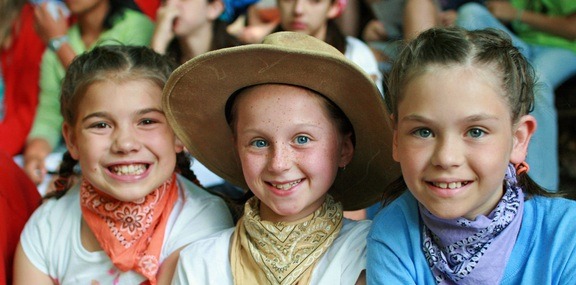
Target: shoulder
[[343, 262], [352, 238], [59, 210], [200, 199], [124, 26], [130, 15], [545, 214], [353, 229], [196, 215], [356, 47], [545, 250], [549, 209], [214, 245], [52, 231], [206, 261], [402, 213]]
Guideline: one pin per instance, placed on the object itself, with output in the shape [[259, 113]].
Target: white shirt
[[358, 52], [208, 261], [51, 238]]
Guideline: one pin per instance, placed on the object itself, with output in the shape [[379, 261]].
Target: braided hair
[[120, 62], [453, 46]]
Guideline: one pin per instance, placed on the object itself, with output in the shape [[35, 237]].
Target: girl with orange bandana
[[125, 217]]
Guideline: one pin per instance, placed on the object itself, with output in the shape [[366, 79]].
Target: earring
[[522, 167]]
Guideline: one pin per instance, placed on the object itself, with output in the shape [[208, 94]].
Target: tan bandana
[[282, 253], [131, 233]]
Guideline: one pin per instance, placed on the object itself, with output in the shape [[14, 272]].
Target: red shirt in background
[[20, 72]]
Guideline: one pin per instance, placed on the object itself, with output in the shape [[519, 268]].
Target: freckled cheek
[[252, 166]]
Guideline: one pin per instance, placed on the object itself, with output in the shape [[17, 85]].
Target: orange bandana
[[131, 233]]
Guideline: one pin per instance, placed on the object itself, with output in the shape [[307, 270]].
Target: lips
[[298, 26]]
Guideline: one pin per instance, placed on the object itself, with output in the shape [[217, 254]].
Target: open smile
[[449, 185], [129, 169], [286, 186]]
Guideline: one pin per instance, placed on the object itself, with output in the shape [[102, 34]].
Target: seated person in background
[[20, 55], [185, 29], [149, 7], [316, 18], [545, 33], [404, 19], [134, 204], [260, 20], [18, 199], [97, 22]]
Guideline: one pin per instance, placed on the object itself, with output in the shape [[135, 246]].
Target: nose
[[448, 153], [125, 140], [280, 158], [299, 7]]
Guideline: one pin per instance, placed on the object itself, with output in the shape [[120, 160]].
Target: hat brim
[[196, 94]]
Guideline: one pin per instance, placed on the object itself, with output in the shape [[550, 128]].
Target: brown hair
[[489, 48], [117, 63]]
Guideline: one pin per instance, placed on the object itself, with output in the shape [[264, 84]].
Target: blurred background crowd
[[39, 39]]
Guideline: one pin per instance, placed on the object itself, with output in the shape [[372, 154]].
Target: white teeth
[[286, 186], [132, 169], [451, 185]]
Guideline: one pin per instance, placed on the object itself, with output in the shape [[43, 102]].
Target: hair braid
[[65, 178]]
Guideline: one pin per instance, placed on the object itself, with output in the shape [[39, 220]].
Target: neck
[[91, 22], [321, 33], [270, 215], [196, 43]]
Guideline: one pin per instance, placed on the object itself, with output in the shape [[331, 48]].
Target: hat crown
[[301, 42], [196, 94]]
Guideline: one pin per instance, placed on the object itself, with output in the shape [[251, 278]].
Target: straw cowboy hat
[[195, 96]]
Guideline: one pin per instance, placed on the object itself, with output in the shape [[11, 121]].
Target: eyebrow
[[106, 114], [472, 118]]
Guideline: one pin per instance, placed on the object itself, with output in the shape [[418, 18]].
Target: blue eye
[[302, 139], [259, 143], [424, 133], [476, 133]]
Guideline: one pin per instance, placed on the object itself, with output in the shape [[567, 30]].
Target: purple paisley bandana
[[460, 251]]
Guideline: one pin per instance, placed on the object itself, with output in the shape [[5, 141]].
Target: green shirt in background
[[548, 7], [132, 28]]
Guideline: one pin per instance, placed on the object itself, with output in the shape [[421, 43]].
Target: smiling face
[[121, 138], [290, 149], [454, 140], [307, 16]]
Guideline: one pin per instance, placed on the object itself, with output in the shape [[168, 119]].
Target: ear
[[334, 9], [70, 139], [347, 151], [215, 9], [178, 145], [522, 134]]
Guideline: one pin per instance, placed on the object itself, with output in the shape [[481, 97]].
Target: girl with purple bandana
[[460, 103]]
